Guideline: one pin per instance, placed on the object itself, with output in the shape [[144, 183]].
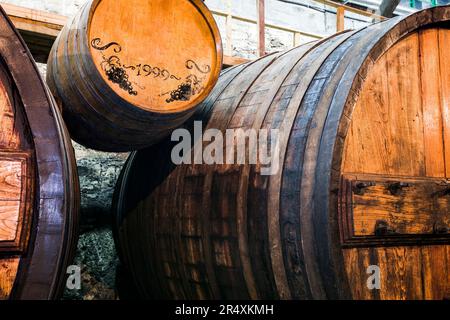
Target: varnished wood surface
[[394, 207], [420, 209], [127, 73], [9, 221], [413, 273], [12, 206], [9, 137], [8, 272], [15, 200], [403, 103], [162, 43], [399, 128], [228, 232], [39, 193], [444, 64]]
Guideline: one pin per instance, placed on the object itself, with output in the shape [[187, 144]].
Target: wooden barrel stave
[[310, 119], [227, 232], [287, 185]]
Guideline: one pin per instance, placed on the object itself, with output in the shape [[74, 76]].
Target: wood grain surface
[[8, 272], [155, 62], [400, 128], [380, 206]]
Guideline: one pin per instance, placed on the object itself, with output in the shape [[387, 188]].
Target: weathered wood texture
[[8, 273], [354, 106], [38, 182], [394, 210], [127, 72], [400, 128]]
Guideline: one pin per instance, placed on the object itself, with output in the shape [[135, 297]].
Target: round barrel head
[[159, 55]]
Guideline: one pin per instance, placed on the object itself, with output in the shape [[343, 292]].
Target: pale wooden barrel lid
[[162, 56]]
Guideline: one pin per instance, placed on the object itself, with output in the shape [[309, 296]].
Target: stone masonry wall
[[316, 19]]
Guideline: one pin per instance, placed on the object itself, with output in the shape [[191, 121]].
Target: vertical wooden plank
[[340, 19], [260, 5], [444, 40], [366, 152], [297, 39], [447, 289], [8, 271], [229, 30], [431, 103], [435, 272], [356, 263], [405, 108], [401, 273]]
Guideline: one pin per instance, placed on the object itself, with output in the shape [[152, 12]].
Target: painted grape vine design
[[117, 72]]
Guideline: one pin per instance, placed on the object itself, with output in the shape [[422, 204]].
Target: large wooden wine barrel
[[38, 182], [360, 205], [126, 72]]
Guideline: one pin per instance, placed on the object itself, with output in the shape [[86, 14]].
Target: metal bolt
[[395, 187], [382, 228], [360, 187], [440, 228]]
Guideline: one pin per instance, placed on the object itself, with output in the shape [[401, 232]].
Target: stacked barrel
[[126, 73]]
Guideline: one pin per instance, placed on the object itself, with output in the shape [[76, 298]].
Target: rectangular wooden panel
[[379, 210], [340, 19], [15, 201], [10, 195], [9, 219], [10, 179]]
